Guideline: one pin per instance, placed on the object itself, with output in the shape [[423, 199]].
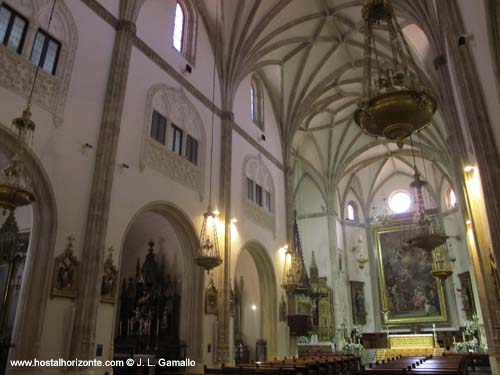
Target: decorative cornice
[[259, 148], [102, 12]]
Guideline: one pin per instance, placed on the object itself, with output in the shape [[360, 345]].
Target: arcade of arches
[[148, 111]]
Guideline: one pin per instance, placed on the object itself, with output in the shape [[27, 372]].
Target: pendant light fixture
[[393, 103], [427, 235], [15, 184], [208, 256]]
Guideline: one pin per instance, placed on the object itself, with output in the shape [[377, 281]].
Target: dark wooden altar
[[150, 313]]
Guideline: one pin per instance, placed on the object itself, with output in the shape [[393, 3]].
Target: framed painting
[[409, 293]]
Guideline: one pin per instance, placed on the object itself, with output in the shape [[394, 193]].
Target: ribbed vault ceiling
[[308, 53]]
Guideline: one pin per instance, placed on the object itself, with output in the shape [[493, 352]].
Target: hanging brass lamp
[[290, 277], [441, 265], [15, 185], [208, 254], [427, 235], [393, 103]]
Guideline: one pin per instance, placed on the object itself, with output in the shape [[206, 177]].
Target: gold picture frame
[[409, 293]]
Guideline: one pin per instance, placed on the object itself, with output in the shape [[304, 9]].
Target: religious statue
[[232, 307], [211, 298], [109, 279], [64, 280], [283, 310], [358, 302]]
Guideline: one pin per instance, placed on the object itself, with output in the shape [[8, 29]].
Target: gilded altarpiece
[[409, 292]]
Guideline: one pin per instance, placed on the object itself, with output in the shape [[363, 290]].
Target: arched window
[[352, 211], [253, 110], [185, 28], [257, 102], [178, 36], [451, 198]]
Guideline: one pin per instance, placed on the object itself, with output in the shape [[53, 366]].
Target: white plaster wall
[[247, 269], [474, 17]]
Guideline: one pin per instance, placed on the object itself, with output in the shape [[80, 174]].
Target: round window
[[399, 201]]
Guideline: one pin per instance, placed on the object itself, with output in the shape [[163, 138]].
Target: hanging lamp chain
[[213, 102], [24, 126]]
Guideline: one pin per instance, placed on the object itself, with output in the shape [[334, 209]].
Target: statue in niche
[[283, 310], [232, 307], [211, 298], [358, 302], [64, 281], [109, 279]]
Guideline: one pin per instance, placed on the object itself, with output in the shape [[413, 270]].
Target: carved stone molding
[[259, 215], [16, 70], [157, 157], [254, 168], [176, 107]]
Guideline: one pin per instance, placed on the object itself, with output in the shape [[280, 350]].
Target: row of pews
[[445, 365], [320, 364]]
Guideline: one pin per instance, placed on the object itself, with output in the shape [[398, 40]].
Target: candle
[[157, 327], [120, 328], [128, 327]]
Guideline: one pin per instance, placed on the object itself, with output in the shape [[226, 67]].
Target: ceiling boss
[[394, 104]]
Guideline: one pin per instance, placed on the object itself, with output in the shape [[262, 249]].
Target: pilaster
[[84, 328], [224, 345]]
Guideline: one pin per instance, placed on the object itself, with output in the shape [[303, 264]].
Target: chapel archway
[[32, 288], [161, 288], [259, 302]]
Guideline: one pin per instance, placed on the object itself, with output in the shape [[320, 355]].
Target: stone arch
[[191, 326], [268, 294], [36, 283]]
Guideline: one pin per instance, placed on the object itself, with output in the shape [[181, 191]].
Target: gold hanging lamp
[[427, 235], [208, 256], [441, 265], [15, 184], [393, 103], [290, 277]]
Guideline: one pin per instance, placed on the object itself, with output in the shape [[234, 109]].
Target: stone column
[[84, 328], [479, 130], [224, 346]]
